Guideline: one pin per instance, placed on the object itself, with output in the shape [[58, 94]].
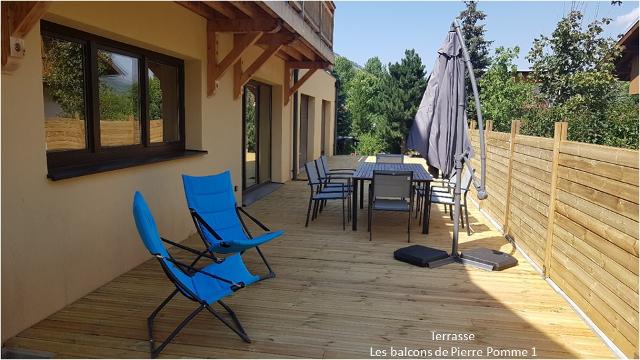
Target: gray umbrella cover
[[440, 129]]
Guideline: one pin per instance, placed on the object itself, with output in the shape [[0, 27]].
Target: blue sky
[[364, 29]]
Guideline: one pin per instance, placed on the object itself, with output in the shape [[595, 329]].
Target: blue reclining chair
[[205, 286], [217, 217]]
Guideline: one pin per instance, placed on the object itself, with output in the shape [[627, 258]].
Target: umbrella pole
[[461, 158]]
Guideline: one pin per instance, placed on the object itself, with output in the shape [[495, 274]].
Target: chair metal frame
[[319, 195], [199, 222], [325, 165], [465, 190], [373, 197], [238, 329], [390, 158]]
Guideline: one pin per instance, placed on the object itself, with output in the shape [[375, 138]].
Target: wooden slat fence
[[69, 133], [573, 209]]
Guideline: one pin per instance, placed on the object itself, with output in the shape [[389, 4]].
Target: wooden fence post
[[515, 130], [488, 128], [559, 135]]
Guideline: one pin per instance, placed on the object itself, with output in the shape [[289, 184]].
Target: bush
[[369, 144]]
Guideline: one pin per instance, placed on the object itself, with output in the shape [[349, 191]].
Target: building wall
[[63, 239], [321, 86]]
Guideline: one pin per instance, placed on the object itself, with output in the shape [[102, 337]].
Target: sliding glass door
[[256, 134]]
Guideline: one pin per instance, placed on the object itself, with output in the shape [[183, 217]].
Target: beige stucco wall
[[321, 86], [63, 239]]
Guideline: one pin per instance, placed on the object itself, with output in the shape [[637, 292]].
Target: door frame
[[306, 135], [256, 85]]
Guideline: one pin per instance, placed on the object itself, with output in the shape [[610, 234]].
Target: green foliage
[[364, 103], [155, 98], [370, 144], [63, 75], [473, 32], [403, 90], [343, 71], [250, 125], [575, 72], [116, 104], [505, 96], [63, 64]]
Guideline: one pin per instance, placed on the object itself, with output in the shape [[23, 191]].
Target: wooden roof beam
[[199, 8], [215, 70], [281, 38], [248, 9], [18, 18], [304, 50], [289, 91], [245, 25], [241, 77], [308, 65], [293, 53], [223, 8]]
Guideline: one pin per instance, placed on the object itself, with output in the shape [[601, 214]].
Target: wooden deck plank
[[335, 295]]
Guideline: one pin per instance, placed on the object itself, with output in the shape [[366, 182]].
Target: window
[[108, 104]]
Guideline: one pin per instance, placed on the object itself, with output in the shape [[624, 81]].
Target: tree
[[365, 104], [575, 72], [343, 71], [505, 95], [63, 63], [403, 90], [473, 32]]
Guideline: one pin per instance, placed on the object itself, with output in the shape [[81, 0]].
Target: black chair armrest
[[256, 221], [199, 220], [234, 286], [191, 250]]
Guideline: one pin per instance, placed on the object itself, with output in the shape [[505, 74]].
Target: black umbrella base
[[460, 260]]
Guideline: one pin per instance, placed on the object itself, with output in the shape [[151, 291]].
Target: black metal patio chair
[[391, 191]]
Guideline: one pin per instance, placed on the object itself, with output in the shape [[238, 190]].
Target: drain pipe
[[296, 114], [335, 118]]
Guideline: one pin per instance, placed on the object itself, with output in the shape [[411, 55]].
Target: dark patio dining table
[[364, 172]]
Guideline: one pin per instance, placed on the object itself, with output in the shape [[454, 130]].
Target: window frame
[[94, 155]]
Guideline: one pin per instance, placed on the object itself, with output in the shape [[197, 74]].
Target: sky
[[364, 29]]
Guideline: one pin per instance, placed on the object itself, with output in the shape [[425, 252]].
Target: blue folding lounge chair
[[205, 286], [217, 217]]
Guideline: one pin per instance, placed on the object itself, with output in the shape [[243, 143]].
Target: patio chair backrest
[[467, 178], [325, 163], [213, 199], [150, 236], [392, 184], [390, 158], [312, 173], [322, 171]]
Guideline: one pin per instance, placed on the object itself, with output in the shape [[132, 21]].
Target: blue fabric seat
[[217, 218], [206, 286]]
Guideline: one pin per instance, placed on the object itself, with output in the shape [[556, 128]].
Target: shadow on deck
[[336, 295]]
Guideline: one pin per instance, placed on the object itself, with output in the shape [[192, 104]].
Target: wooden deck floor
[[336, 295]]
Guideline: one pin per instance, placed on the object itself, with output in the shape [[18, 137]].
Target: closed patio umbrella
[[440, 133]]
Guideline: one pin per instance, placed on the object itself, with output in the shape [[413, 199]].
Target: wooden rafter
[[293, 53], [18, 18], [308, 65], [199, 8], [299, 46], [241, 77], [248, 9], [215, 70], [280, 38], [223, 8], [312, 67], [245, 25]]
